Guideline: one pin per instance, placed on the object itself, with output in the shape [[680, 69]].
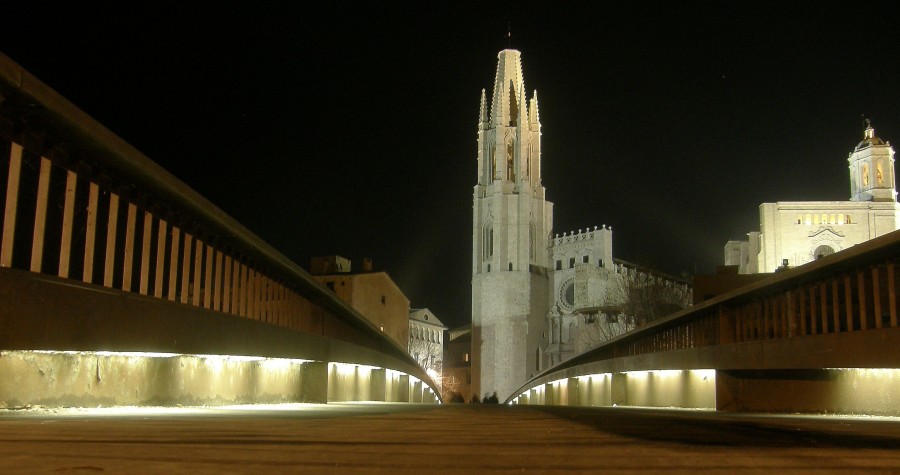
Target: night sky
[[351, 129]]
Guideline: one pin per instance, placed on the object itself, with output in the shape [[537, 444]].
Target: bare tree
[[634, 298], [604, 325], [428, 354], [646, 296]]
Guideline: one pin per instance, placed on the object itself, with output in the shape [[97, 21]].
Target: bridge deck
[[388, 438]]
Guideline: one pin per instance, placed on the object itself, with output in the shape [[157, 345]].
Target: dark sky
[[351, 129]]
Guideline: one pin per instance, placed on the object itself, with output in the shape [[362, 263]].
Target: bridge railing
[[80, 204], [799, 325]]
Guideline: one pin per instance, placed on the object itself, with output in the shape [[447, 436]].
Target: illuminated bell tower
[[872, 169], [511, 228]]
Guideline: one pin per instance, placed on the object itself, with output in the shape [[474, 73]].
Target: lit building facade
[[534, 296], [373, 294], [797, 232], [426, 342], [457, 374]]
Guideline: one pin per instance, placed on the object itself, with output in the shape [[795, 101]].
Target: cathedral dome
[[869, 138]]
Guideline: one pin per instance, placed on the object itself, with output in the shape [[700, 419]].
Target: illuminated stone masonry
[[536, 299], [796, 232]]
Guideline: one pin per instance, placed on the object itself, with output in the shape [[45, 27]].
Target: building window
[[822, 251], [466, 357], [330, 286], [382, 299], [558, 265], [571, 262], [510, 266], [488, 238], [585, 259]]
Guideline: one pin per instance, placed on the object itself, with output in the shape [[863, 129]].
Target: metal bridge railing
[[79, 203], [804, 334]]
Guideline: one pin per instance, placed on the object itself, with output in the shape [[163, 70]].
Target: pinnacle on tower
[[534, 116], [482, 112]]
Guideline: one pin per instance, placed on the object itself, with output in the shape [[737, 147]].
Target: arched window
[[487, 240], [532, 244], [510, 160], [528, 163], [822, 251]]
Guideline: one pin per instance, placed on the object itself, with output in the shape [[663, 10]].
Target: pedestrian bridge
[[120, 285], [819, 338]]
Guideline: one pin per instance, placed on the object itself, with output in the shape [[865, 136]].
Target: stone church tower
[[872, 169], [511, 229]]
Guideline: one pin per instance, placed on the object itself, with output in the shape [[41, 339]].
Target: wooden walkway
[[396, 439]]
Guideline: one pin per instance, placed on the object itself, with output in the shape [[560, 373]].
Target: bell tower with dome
[[872, 169]]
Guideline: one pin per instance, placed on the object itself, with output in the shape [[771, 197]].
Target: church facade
[[793, 233], [537, 298]]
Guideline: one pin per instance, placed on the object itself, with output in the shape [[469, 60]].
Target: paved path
[[397, 439]]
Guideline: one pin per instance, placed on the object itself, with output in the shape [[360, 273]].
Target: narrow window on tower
[[513, 105], [488, 241], [532, 243], [528, 162], [558, 265], [510, 161], [494, 174], [571, 262]]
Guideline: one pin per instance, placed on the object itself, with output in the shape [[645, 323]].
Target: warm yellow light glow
[[703, 374]]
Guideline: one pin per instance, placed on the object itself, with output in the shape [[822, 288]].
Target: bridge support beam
[[56, 379], [403, 388], [870, 391]]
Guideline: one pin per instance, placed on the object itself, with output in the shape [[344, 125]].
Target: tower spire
[[508, 83]]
